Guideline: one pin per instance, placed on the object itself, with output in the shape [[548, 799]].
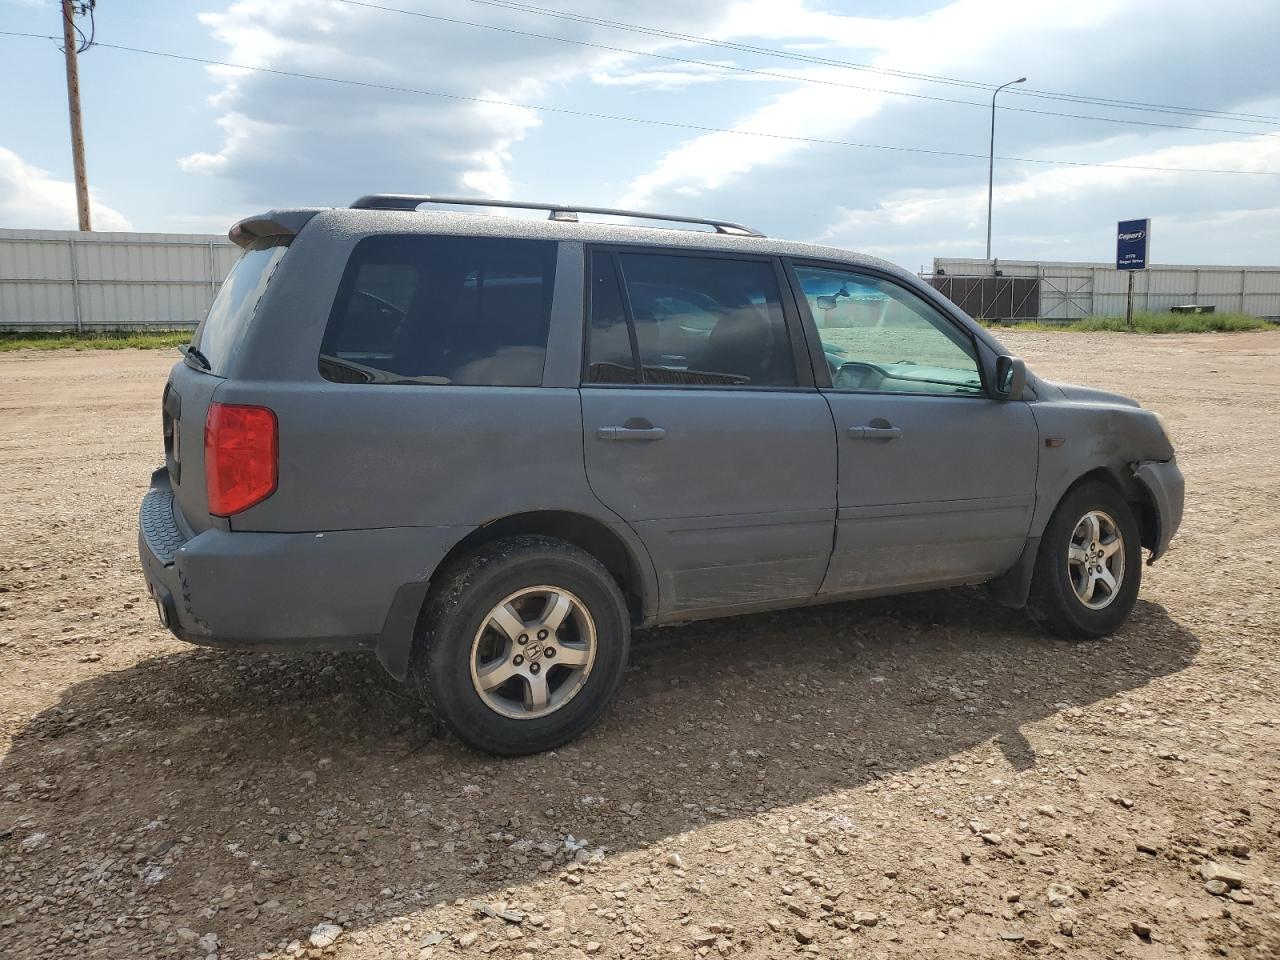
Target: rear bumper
[[282, 591], [1165, 483]]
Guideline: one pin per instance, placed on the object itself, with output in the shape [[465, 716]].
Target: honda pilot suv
[[487, 448]]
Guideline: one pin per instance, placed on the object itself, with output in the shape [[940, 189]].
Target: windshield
[[225, 325]]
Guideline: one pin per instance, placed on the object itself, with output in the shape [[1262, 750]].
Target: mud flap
[[395, 642], [1012, 588]]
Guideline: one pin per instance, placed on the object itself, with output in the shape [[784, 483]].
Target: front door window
[[879, 337]]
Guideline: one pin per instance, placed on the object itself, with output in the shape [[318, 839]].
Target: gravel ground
[[921, 776]]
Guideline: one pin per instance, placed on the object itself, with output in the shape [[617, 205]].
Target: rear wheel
[[522, 644], [1090, 563]]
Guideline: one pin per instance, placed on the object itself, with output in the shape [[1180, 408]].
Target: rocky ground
[[920, 776]]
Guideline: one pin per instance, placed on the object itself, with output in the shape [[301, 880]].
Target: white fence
[[1069, 291], [70, 280]]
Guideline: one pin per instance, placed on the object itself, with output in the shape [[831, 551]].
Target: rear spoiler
[[277, 223]]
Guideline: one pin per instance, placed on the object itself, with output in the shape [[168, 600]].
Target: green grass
[[1152, 323], [95, 340]]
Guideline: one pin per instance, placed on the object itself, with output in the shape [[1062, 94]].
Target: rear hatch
[[194, 379]]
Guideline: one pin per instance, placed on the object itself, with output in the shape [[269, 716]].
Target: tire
[[461, 648], [1058, 581]]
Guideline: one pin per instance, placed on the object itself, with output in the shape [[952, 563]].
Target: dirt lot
[[924, 776]]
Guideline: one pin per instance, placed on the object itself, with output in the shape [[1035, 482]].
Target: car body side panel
[[948, 501], [361, 456], [1080, 437], [735, 503]]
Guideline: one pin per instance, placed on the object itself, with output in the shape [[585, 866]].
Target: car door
[[703, 428], [936, 477]]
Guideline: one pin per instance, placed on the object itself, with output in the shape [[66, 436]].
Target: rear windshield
[[442, 310], [227, 321]]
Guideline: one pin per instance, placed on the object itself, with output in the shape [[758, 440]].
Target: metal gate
[[1063, 298], [992, 298]]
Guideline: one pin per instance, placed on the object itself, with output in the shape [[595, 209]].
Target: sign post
[[1133, 249]]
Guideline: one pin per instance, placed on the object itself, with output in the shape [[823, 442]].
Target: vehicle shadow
[[257, 795]]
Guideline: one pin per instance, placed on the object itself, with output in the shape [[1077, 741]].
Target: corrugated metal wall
[[69, 280], [1069, 291]]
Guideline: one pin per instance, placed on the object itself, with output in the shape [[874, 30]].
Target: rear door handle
[[875, 433], [631, 433]]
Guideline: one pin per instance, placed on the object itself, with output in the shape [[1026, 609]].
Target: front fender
[[1167, 487]]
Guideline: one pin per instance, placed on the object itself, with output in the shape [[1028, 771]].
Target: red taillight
[[241, 453]]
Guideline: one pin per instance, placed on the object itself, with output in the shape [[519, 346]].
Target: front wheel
[[1090, 563], [522, 645]]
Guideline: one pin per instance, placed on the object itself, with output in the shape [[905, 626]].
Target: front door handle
[[631, 433], [875, 433]]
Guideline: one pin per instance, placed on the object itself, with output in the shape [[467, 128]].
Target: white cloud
[[284, 141], [674, 78], [31, 197], [1193, 217], [958, 33], [911, 207], [289, 140]]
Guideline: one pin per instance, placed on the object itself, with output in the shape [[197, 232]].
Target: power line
[[783, 76], [674, 124], [1206, 112]]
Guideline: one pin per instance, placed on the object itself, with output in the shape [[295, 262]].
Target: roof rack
[[557, 211]]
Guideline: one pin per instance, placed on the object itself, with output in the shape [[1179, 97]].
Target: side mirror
[[1011, 378], [826, 303]]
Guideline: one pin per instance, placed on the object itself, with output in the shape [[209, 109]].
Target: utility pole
[[73, 103], [991, 157]]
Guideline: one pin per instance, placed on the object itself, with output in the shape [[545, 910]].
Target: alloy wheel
[[1095, 559], [533, 652]]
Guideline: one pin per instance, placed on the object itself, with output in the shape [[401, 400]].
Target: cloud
[[832, 111], [1197, 216], [912, 207], [287, 141], [677, 77], [296, 141], [31, 197]]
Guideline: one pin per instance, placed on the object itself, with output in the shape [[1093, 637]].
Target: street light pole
[[991, 157]]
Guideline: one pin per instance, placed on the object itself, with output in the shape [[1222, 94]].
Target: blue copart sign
[[1133, 244]]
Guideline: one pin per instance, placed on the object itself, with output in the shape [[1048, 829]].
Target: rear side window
[[227, 321], [471, 311], [684, 320]]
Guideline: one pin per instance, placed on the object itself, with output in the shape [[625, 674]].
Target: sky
[[788, 136]]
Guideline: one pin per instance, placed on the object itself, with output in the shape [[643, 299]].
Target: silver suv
[[485, 449]]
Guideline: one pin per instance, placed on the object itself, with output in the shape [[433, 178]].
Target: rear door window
[[611, 348], [227, 322], [688, 320], [470, 311]]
